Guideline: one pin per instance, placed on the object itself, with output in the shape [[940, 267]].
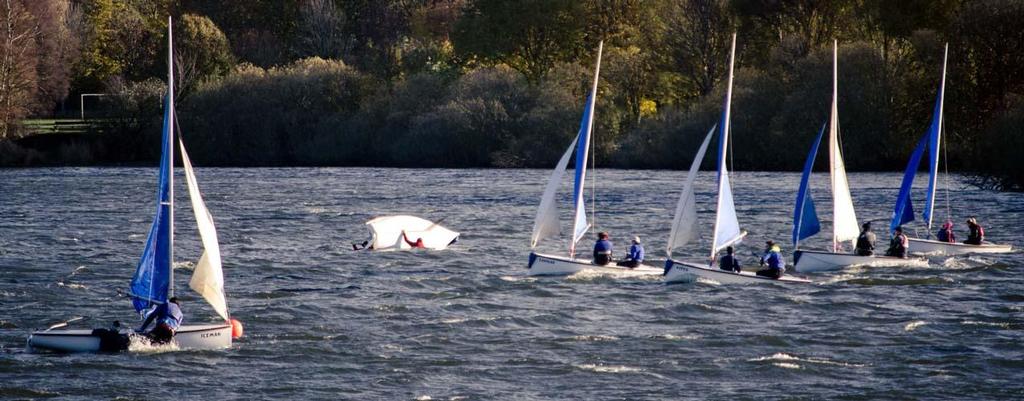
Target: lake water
[[324, 322]]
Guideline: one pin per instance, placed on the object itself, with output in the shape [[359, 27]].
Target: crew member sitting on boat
[[729, 262], [866, 241], [945, 233], [417, 244], [776, 265], [899, 244], [602, 249], [977, 234], [168, 317], [635, 256]]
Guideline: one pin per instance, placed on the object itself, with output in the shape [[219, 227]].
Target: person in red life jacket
[[417, 244], [899, 244], [977, 234], [945, 233], [602, 249]]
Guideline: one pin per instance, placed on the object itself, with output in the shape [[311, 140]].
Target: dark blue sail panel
[[805, 217], [151, 281], [904, 211], [581, 151], [933, 135]]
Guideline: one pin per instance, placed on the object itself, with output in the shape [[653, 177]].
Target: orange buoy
[[236, 329]]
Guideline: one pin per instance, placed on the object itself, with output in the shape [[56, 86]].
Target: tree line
[[495, 83]]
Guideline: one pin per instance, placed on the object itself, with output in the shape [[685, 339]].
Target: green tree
[[529, 35], [203, 51]]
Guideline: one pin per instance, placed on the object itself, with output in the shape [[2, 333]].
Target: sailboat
[[153, 282], [546, 225], [727, 230], [904, 211], [844, 218]]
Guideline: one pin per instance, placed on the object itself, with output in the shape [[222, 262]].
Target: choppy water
[[323, 322]]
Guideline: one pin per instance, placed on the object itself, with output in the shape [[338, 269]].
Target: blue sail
[[904, 211], [805, 217], [152, 278], [933, 135], [582, 150]]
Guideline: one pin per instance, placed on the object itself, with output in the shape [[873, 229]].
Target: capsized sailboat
[[386, 234], [904, 210], [153, 282], [727, 230], [546, 225], [844, 218]]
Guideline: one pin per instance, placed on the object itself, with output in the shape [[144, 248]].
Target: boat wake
[[142, 345]]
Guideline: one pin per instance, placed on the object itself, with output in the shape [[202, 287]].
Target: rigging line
[[945, 164], [593, 179]]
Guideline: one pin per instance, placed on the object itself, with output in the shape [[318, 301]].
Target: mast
[[582, 155], [833, 133], [169, 148], [723, 147], [936, 142]]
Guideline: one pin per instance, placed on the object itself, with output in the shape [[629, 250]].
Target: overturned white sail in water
[[403, 232]]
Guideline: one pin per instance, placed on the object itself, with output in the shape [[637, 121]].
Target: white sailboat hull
[[550, 265], [818, 261], [195, 337], [685, 272], [930, 247]]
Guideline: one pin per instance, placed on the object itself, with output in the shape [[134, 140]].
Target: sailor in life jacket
[[899, 244], [866, 241], [168, 318], [773, 258], [602, 249], [977, 234], [945, 233]]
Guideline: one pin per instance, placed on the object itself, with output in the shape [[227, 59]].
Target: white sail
[[546, 224], [844, 219], [208, 277], [727, 226], [580, 224], [684, 225]]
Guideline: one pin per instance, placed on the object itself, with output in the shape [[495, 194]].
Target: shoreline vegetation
[[460, 84]]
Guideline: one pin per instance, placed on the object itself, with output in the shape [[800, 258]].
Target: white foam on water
[[786, 358], [595, 338], [914, 325], [73, 286], [608, 368], [142, 345], [185, 265], [787, 365], [517, 279], [673, 337], [1002, 325]]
